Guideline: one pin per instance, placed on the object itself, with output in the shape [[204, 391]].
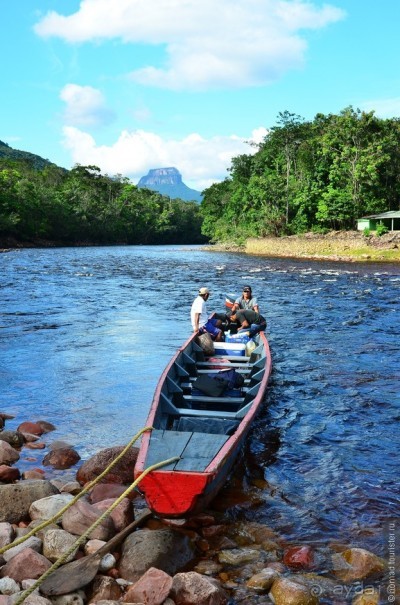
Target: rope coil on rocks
[[85, 535]]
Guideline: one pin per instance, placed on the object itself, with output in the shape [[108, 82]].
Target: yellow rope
[[83, 537], [78, 496]]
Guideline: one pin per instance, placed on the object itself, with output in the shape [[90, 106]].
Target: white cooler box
[[229, 348]]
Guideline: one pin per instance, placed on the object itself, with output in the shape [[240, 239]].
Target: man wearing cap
[[199, 317], [246, 301]]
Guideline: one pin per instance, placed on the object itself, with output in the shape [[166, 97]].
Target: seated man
[[246, 301], [249, 321], [199, 317]]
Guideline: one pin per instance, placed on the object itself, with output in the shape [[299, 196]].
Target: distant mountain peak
[[168, 181], [161, 176]]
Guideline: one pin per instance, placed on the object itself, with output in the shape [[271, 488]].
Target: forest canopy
[[84, 206], [316, 176]]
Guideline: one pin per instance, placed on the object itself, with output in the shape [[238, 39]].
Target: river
[[86, 332]]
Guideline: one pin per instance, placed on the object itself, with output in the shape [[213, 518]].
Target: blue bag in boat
[[233, 379]]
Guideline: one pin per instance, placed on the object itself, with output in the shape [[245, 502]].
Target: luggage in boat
[[206, 343], [230, 348], [233, 379], [240, 337], [214, 385], [210, 385], [249, 348]]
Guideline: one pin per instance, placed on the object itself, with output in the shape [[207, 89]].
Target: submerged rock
[[285, 591], [356, 564]]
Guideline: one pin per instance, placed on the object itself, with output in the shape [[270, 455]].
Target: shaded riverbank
[[335, 246]]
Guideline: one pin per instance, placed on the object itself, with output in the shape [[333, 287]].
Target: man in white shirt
[[199, 316]]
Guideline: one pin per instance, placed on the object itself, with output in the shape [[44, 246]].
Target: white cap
[[203, 291]]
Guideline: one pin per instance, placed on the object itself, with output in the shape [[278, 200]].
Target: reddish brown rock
[[30, 427], [122, 515], [113, 573], [213, 530], [201, 520], [9, 473], [33, 474], [104, 491], [36, 446], [298, 557], [194, 589], [4, 416], [46, 427], [81, 516], [61, 458], [28, 564], [29, 438], [122, 472], [8, 455], [105, 588], [151, 589]]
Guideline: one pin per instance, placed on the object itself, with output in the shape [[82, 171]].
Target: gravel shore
[[336, 246]]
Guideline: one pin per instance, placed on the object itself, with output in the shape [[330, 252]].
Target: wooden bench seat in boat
[[244, 370], [207, 399], [240, 413], [221, 364], [239, 358], [205, 424], [196, 450]]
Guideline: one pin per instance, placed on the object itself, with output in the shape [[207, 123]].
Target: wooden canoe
[[206, 433]]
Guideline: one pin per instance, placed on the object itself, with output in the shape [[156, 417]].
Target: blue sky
[[129, 85]]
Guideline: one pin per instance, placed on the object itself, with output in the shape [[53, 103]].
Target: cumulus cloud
[[207, 44], [85, 106], [384, 108], [201, 161]]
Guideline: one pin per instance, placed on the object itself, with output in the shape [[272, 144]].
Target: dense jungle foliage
[[308, 176], [83, 206]]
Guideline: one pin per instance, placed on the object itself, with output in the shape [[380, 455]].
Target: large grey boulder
[[164, 549], [17, 498]]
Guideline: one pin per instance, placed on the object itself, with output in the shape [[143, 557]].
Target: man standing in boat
[[199, 317]]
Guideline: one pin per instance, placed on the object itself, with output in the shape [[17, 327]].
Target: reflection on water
[[86, 332]]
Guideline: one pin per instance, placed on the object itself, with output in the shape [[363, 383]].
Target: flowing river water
[[86, 332]]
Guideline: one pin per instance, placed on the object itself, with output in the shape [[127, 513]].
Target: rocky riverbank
[[335, 246], [204, 560]]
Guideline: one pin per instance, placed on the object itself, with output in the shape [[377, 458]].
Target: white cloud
[[384, 108], [207, 44], [201, 161], [85, 106]]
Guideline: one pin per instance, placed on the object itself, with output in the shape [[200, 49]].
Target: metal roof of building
[[392, 214]]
